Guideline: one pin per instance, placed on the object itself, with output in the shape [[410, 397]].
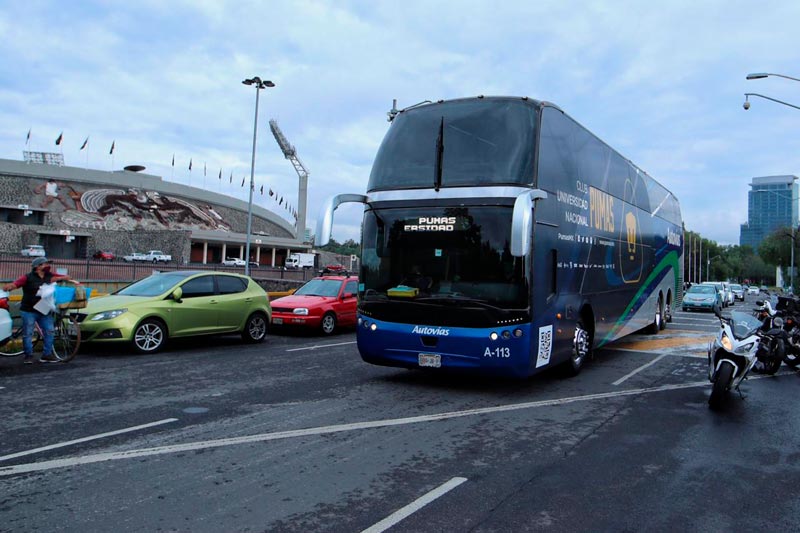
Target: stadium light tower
[[290, 153], [259, 85]]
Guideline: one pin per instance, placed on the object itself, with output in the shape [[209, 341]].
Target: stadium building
[[73, 212]]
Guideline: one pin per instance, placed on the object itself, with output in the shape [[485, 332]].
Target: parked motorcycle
[[740, 343], [788, 307], [785, 316]]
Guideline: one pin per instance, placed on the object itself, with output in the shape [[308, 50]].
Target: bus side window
[[552, 274]]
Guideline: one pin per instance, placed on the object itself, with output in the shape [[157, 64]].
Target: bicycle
[[66, 336]]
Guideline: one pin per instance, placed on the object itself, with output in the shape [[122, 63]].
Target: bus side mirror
[[325, 219], [522, 221]]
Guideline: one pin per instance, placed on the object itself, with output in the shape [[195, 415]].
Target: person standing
[[30, 283]]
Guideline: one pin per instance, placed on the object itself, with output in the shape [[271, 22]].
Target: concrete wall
[[127, 228]]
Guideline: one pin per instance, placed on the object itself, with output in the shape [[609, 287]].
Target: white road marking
[[693, 355], [86, 439], [323, 430], [318, 346], [415, 506], [636, 371]]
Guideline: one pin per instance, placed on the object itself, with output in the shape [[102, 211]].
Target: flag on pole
[[230, 178], [242, 182], [220, 175], [262, 190], [59, 138], [190, 164], [28, 138], [111, 152], [85, 143], [271, 193], [204, 169], [173, 160], [281, 202]]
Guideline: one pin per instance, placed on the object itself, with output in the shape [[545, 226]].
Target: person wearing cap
[[29, 283]]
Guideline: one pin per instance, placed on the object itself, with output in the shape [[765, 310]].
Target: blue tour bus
[[501, 236]]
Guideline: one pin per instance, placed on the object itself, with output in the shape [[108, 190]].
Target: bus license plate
[[430, 359], [277, 321]]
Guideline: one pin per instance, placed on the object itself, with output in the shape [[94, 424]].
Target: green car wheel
[[149, 336]]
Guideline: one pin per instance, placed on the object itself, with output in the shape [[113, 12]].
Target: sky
[[661, 82]]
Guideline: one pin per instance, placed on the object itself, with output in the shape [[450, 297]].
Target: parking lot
[[298, 434]]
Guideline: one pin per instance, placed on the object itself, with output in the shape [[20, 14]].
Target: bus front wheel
[[581, 350]]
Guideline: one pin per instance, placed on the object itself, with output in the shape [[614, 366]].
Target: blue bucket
[[65, 295]]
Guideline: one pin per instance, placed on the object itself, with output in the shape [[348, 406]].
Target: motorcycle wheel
[[719, 391], [771, 366], [792, 360], [792, 355], [773, 363]]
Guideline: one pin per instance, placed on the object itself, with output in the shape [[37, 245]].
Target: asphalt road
[[298, 434]]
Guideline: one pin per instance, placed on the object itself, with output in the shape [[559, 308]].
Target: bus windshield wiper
[[463, 300], [437, 179]]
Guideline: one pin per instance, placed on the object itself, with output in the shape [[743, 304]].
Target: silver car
[[730, 299], [738, 291], [33, 250]]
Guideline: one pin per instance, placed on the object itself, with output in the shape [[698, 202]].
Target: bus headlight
[[373, 326], [493, 336], [518, 333]]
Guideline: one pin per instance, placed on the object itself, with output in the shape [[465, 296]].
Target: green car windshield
[[153, 285]]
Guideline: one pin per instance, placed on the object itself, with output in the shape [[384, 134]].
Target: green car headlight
[[108, 315]]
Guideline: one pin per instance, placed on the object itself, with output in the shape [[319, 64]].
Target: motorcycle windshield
[[743, 324]]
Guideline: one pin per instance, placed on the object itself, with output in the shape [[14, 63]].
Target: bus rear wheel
[[658, 320]]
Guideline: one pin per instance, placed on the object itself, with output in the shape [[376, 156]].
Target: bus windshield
[[459, 143], [417, 261]]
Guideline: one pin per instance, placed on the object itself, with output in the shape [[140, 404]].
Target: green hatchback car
[[178, 304]]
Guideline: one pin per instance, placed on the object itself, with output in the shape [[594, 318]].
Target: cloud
[[662, 83]]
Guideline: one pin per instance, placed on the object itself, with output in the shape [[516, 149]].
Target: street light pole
[[708, 264], [761, 75], [259, 85]]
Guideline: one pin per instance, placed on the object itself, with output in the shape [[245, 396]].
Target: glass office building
[[772, 203]]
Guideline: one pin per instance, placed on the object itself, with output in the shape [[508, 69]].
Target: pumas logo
[[431, 331]]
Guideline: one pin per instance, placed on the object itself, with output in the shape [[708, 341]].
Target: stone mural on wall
[[131, 209]]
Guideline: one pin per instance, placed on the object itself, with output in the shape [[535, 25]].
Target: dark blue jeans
[[45, 324]]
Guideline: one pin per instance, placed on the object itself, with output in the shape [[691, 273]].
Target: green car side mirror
[[177, 294]]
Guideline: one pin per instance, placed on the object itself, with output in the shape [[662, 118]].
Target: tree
[[776, 248], [349, 247]]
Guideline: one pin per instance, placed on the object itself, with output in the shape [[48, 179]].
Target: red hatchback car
[[103, 255], [323, 303]]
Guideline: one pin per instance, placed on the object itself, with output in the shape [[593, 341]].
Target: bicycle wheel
[[12, 346], [67, 337]]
